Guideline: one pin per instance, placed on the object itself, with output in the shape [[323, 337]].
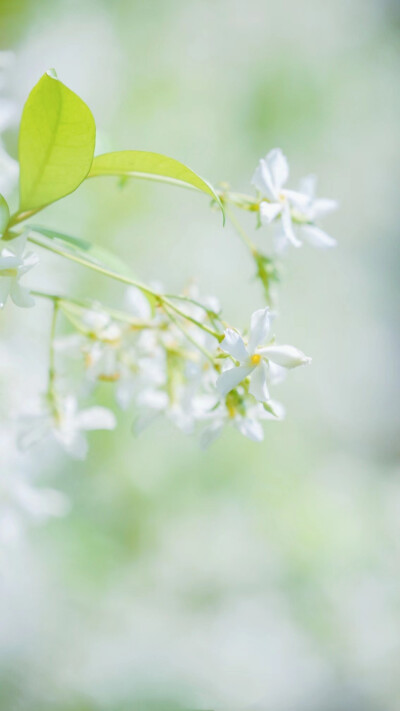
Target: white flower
[[66, 424], [14, 263], [269, 178], [243, 416], [22, 503], [255, 358], [297, 210]]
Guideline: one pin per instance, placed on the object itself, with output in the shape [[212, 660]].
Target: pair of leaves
[[56, 149]]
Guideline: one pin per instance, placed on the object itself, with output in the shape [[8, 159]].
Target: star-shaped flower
[[254, 358]]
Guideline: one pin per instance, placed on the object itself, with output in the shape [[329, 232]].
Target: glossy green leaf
[[56, 144], [4, 214], [150, 166]]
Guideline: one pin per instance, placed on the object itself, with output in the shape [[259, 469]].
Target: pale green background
[[262, 577]]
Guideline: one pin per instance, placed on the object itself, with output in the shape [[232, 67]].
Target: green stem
[[76, 305], [52, 370], [242, 234], [190, 338], [125, 280]]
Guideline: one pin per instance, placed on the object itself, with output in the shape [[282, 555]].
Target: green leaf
[[90, 252], [150, 166], [4, 214], [87, 254], [56, 144]]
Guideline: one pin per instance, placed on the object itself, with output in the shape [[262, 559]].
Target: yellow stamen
[[109, 378], [255, 359], [231, 411]]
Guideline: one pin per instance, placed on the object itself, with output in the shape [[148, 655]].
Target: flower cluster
[[165, 361]]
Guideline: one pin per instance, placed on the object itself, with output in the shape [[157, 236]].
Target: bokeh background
[[262, 577]]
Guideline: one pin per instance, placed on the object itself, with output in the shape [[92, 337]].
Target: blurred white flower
[[68, 425], [244, 416], [21, 503], [297, 210], [254, 358], [14, 263]]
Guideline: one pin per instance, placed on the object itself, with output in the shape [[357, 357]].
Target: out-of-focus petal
[[258, 383], [20, 295], [230, 379], [211, 433], [250, 428], [278, 166], [5, 286], [269, 210], [317, 237], [96, 418], [287, 226], [263, 181]]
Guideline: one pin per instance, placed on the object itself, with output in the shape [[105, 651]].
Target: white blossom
[[22, 503], [254, 358], [66, 424], [14, 263], [245, 416], [296, 210]]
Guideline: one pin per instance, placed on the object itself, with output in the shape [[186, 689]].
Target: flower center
[[255, 359]]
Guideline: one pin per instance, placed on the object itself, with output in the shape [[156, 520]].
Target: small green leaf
[[56, 144], [90, 252], [150, 166], [4, 214]]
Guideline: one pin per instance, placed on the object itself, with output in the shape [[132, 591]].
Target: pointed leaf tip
[[56, 143]]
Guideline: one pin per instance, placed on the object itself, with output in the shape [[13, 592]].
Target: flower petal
[[211, 433], [286, 356], [278, 166], [258, 383], [96, 418], [287, 226], [74, 443], [300, 201], [234, 345], [317, 237], [263, 181], [308, 185], [269, 210], [250, 428], [323, 206], [7, 261], [230, 379], [259, 328], [5, 286], [20, 295]]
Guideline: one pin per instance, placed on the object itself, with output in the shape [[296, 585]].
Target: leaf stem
[[190, 338], [160, 299], [241, 232]]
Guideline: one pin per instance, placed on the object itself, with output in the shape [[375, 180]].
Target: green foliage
[[85, 250], [85, 253], [4, 214], [56, 144], [150, 166]]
